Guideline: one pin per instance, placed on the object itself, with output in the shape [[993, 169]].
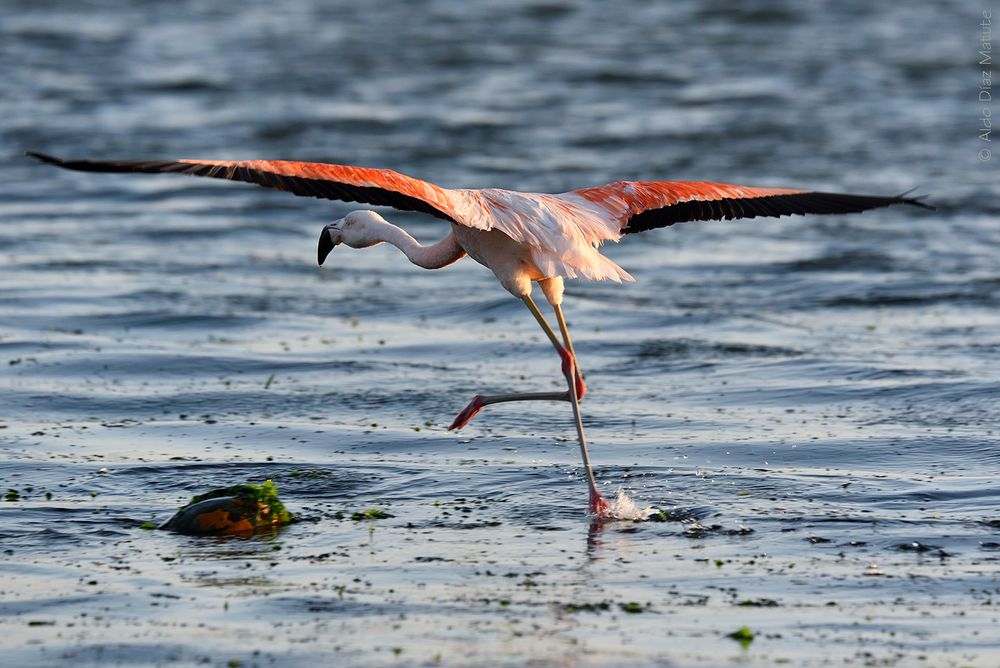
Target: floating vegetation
[[631, 607], [237, 510], [743, 634], [695, 529], [370, 514], [587, 607]]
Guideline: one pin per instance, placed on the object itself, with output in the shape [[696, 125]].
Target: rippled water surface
[[814, 403]]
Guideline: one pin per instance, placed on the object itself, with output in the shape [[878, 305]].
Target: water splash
[[624, 508]]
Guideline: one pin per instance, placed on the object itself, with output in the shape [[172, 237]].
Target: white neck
[[435, 256]]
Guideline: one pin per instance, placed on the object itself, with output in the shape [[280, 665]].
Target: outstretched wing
[[381, 187], [645, 205]]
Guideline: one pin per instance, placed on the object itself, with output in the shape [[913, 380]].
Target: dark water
[[815, 402]]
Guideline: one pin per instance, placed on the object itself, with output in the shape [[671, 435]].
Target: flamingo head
[[358, 229]]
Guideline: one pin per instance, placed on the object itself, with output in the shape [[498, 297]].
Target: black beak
[[325, 246]]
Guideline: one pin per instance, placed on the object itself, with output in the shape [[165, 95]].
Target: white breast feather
[[563, 231]]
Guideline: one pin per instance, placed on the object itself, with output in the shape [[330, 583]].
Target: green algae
[[370, 514], [236, 510], [265, 494], [743, 634]]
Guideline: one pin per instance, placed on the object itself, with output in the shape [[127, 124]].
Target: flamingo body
[[523, 238]]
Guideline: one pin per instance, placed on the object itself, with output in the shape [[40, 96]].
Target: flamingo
[[523, 238]]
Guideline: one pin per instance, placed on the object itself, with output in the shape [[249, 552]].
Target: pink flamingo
[[523, 238]]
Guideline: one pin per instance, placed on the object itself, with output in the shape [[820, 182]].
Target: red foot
[[599, 506], [568, 367], [468, 413]]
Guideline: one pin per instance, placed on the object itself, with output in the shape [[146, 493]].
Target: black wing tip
[[902, 198], [867, 201], [772, 205], [877, 201], [44, 157]]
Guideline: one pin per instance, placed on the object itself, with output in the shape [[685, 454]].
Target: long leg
[[581, 388], [574, 381], [565, 349], [598, 505], [530, 303], [480, 401]]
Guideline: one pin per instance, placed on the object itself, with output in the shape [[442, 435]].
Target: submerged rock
[[240, 510]]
